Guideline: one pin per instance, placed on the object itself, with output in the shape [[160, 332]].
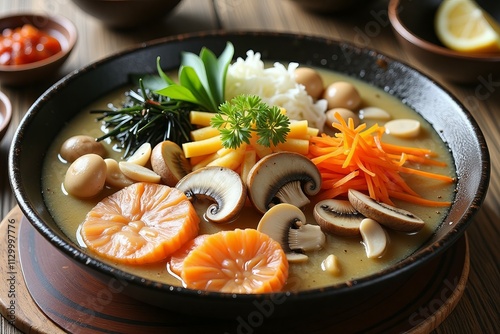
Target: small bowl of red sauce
[[33, 47]]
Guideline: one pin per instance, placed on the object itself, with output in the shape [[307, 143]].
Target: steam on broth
[[69, 212]]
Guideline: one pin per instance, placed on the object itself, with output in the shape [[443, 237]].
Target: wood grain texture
[[479, 309], [55, 291]]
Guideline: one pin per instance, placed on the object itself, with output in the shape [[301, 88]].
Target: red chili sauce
[[26, 45]]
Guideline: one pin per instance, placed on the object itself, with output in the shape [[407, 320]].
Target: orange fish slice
[[239, 261], [142, 223]]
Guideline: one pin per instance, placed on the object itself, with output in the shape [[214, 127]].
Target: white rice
[[276, 86]]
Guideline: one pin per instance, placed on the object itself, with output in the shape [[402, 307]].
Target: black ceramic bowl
[[49, 114], [413, 24], [127, 14]]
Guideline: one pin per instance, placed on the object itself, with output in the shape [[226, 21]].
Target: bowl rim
[[403, 266], [408, 35], [7, 116], [59, 20]]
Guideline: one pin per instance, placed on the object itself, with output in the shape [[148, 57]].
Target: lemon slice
[[463, 26]]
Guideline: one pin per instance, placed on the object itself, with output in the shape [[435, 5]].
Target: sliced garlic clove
[[114, 176], [138, 173], [141, 155], [374, 237], [332, 265], [403, 128], [374, 113]]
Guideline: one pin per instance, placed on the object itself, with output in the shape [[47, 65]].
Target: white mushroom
[[387, 215], [286, 224], [222, 185], [283, 177], [374, 238]]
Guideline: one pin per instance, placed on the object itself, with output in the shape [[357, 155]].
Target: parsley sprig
[[244, 114]]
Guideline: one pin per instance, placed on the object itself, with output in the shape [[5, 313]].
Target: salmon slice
[[142, 223], [238, 261]]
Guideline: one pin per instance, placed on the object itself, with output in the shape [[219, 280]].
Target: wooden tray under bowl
[[42, 291]]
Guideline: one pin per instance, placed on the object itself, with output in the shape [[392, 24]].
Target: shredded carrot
[[356, 158]]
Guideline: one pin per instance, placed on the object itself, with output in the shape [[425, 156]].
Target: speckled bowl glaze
[[48, 115], [413, 24], [57, 26]]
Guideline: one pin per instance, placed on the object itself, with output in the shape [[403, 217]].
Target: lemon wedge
[[463, 26]]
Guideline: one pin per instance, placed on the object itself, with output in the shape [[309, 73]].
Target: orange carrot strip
[[412, 150], [358, 154]]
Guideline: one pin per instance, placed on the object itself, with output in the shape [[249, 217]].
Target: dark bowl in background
[[331, 6], [49, 114], [126, 14], [57, 26], [413, 25]]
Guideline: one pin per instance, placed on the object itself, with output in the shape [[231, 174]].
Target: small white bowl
[[5, 114]]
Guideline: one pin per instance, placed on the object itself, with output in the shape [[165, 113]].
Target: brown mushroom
[[337, 217], [387, 215], [283, 177]]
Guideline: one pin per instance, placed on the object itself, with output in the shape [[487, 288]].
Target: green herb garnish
[[244, 114], [202, 78]]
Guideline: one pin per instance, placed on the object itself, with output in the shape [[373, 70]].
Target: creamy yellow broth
[[69, 211]]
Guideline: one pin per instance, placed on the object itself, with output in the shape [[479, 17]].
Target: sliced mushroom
[[286, 224], [168, 161], [283, 177], [222, 185], [374, 238], [387, 215], [338, 217]]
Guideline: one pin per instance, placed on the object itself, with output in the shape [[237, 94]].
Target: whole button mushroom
[[77, 146], [342, 94], [311, 80], [344, 113], [86, 176]]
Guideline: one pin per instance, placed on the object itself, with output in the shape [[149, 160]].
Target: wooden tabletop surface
[[478, 311]]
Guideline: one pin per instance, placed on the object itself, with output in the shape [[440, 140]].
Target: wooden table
[[478, 311]]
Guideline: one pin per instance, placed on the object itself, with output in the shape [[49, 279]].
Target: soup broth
[[69, 212]]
